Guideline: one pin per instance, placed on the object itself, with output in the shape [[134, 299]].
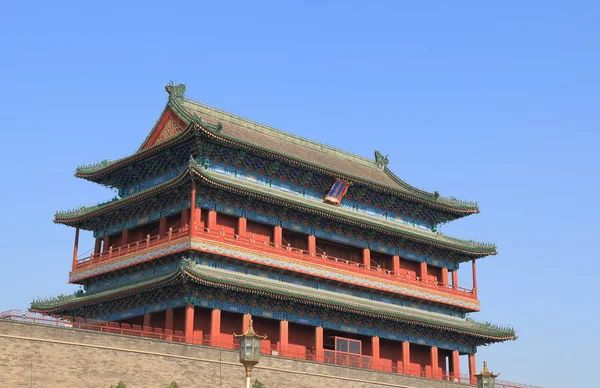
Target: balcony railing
[[251, 242], [228, 342]]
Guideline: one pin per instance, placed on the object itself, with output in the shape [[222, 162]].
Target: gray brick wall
[[46, 356]]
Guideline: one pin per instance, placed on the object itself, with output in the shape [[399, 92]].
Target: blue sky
[[494, 102]]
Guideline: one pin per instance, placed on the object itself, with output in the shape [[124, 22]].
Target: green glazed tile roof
[[307, 153], [255, 284], [347, 303], [64, 301], [244, 187]]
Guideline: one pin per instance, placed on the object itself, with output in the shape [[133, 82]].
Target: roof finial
[[175, 91], [382, 161]]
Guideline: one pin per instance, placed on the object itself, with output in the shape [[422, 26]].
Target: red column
[[319, 354], [242, 227], [75, 247], [212, 219], [193, 220], [215, 325], [406, 357], [246, 322], [284, 336], [423, 271], [147, 317], [444, 276], [455, 278], [105, 244], [125, 237], [169, 319], [189, 322], [396, 264], [162, 226], [366, 257], [472, 370], [277, 235], [474, 278], [97, 246], [455, 365], [375, 348], [312, 244], [434, 363]]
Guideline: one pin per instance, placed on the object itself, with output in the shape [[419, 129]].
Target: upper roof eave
[[213, 179], [98, 171]]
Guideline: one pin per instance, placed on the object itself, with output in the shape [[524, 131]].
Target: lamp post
[[249, 350], [485, 378]]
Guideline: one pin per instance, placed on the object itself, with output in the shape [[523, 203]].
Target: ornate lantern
[[249, 350], [485, 378]]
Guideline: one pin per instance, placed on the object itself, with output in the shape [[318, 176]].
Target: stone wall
[[46, 356]]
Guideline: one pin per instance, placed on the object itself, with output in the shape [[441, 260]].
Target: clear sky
[[494, 102]]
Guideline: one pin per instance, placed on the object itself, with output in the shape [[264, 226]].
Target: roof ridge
[[284, 134]]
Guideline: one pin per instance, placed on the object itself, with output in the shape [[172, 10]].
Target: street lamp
[[485, 378], [249, 350]]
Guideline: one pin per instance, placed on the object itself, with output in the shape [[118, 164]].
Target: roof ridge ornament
[[176, 92], [382, 161]]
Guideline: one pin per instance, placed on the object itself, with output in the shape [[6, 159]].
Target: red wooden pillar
[[455, 365], [97, 246], [242, 227], [423, 271], [215, 326], [406, 357], [375, 348], [455, 279], [366, 256], [75, 247], [189, 323], [212, 220], [396, 264], [277, 235], [284, 336], [474, 278], [169, 319], [246, 318], [312, 244], [444, 276], [162, 226], [193, 221], [434, 362], [319, 353], [125, 237], [105, 244], [472, 370], [147, 319]]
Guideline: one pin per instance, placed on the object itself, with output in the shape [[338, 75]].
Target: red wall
[[412, 267], [340, 251], [231, 323], [301, 335], [386, 261], [261, 232], [227, 223], [174, 221], [434, 273], [202, 320], [296, 240], [157, 319]]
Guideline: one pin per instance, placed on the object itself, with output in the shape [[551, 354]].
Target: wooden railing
[[267, 348], [148, 242], [251, 242]]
